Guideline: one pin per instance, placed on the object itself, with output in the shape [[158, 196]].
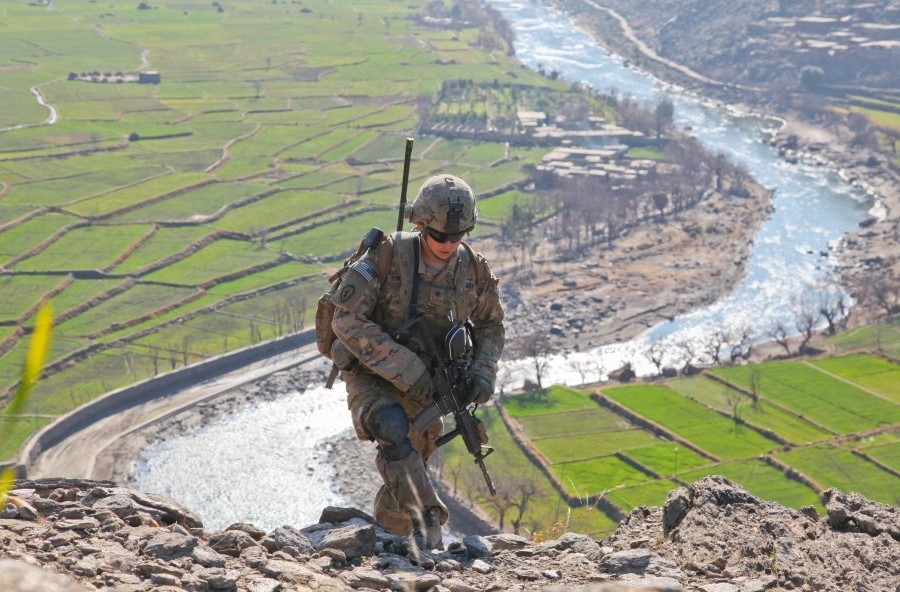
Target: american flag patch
[[365, 269]]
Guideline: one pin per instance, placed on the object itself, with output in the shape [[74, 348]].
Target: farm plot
[[650, 493], [75, 184], [581, 440], [762, 480], [196, 203], [321, 140], [871, 372], [86, 247], [286, 213], [832, 466], [165, 241], [883, 447], [216, 260], [18, 294], [79, 292], [27, 235], [889, 454], [597, 475], [883, 337], [557, 424], [117, 199], [138, 301], [511, 470], [556, 399], [760, 413], [498, 207], [337, 236], [384, 147], [697, 424], [491, 179], [825, 399], [16, 429], [666, 458]]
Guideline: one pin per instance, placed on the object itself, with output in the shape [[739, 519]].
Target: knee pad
[[391, 428]]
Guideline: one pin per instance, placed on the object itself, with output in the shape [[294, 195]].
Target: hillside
[[767, 44], [74, 536]]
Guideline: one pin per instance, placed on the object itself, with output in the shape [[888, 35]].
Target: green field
[[594, 451], [833, 466], [710, 431], [837, 404], [762, 414], [268, 149]]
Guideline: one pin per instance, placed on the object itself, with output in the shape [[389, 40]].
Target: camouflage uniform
[[379, 371]]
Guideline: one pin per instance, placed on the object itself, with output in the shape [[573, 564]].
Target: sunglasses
[[443, 237]]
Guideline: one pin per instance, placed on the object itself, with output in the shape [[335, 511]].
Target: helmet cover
[[445, 203]]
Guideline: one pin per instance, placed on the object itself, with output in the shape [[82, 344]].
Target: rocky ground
[[712, 536]]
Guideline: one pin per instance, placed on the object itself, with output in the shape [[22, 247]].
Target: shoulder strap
[[462, 274]]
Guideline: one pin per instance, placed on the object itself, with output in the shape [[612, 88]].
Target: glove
[[422, 389], [480, 389]]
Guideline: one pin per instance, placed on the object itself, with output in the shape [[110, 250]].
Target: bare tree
[[526, 489], [754, 386], [655, 353], [585, 367], [734, 400], [688, 353], [538, 348], [154, 358], [780, 335], [714, 345], [664, 114], [881, 292], [514, 494], [805, 323], [743, 349], [833, 306]]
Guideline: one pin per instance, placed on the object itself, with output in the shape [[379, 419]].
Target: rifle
[[451, 396], [406, 159]]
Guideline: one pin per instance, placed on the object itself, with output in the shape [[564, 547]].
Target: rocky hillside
[[74, 535], [767, 43]]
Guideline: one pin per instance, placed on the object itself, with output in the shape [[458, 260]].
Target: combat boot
[[426, 530]]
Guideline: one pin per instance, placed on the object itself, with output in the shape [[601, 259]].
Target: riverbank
[[652, 274], [871, 252]]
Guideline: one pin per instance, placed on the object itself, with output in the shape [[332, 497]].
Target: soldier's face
[[441, 246]]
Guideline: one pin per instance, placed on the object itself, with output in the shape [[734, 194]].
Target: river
[[264, 464]]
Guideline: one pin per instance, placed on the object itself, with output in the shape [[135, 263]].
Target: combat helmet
[[445, 203]]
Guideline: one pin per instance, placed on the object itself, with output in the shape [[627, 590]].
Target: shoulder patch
[[355, 284], [365, 268]]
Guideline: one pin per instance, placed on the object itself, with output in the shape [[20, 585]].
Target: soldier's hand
[[480, 389], [423, 387]]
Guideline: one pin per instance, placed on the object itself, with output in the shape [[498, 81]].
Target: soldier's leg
[[407, 493], [404, 474]]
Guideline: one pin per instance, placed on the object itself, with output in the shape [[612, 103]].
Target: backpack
[[325, 336]]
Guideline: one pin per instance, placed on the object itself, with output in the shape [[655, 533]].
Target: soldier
[[414, 286]]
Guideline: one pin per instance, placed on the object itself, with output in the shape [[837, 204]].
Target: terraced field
[[614, 448], [175, 221]]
